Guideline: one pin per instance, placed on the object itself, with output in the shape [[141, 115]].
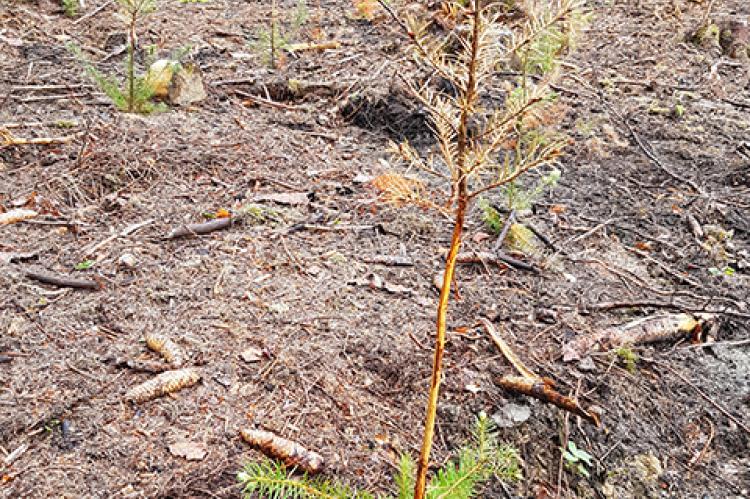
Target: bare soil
[[344, 366]]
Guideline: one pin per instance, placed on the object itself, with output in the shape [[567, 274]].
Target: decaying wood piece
[[299, 47], [162, 384], [62, 281], [651, 329], [165, 347], [199, 229], [292, 454], [543, 390], [16, 215], [7, 139]]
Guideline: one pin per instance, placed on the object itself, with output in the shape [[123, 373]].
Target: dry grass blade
[[164, 383], [508, 352], [292, 454], [165, 347]]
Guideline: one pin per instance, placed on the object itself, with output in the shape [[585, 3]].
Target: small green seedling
[[726, 271], [275, 38], [629, 357], [70, 7], [576, 460], [84, 265]]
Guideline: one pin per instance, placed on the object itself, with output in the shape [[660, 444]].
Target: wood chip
[[16, 215]]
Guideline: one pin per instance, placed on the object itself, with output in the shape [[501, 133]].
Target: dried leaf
[[162, 384], [290, 453], [16, 215], [192, 451], [165, 347], [223, 213], [252, 354]]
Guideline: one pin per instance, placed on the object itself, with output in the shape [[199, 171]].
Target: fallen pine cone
[[292, 454], [165, 347], [162, 384]]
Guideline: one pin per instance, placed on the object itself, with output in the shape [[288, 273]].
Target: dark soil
[[345, 366]]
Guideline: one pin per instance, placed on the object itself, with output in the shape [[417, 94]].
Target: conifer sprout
[[482, 146], [138, 91]]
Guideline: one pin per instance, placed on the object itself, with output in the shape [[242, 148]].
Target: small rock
[[186, 86], [192, 451], [252, 354], [511, 415], [159, 77], [587, 364], [127, 260]]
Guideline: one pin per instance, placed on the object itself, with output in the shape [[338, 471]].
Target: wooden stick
[[202, 228], [62, 281]]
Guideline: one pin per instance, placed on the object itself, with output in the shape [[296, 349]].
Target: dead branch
[[542, 390], [646, 330], [7, 139], [62, 281], [292, 454], [200, 229]]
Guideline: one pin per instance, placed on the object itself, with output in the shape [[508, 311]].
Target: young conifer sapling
[[480, 147]]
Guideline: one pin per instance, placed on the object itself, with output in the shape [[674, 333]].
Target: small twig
[[199, 229], [93, 12], [267, 102], [42, 98], [62, 281], [395, 17], [699, 457], [648, 150], [544, 239], [506, 228], [390, 260], [611, 305]]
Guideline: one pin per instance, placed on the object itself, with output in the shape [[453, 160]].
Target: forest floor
[[337, 347]]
